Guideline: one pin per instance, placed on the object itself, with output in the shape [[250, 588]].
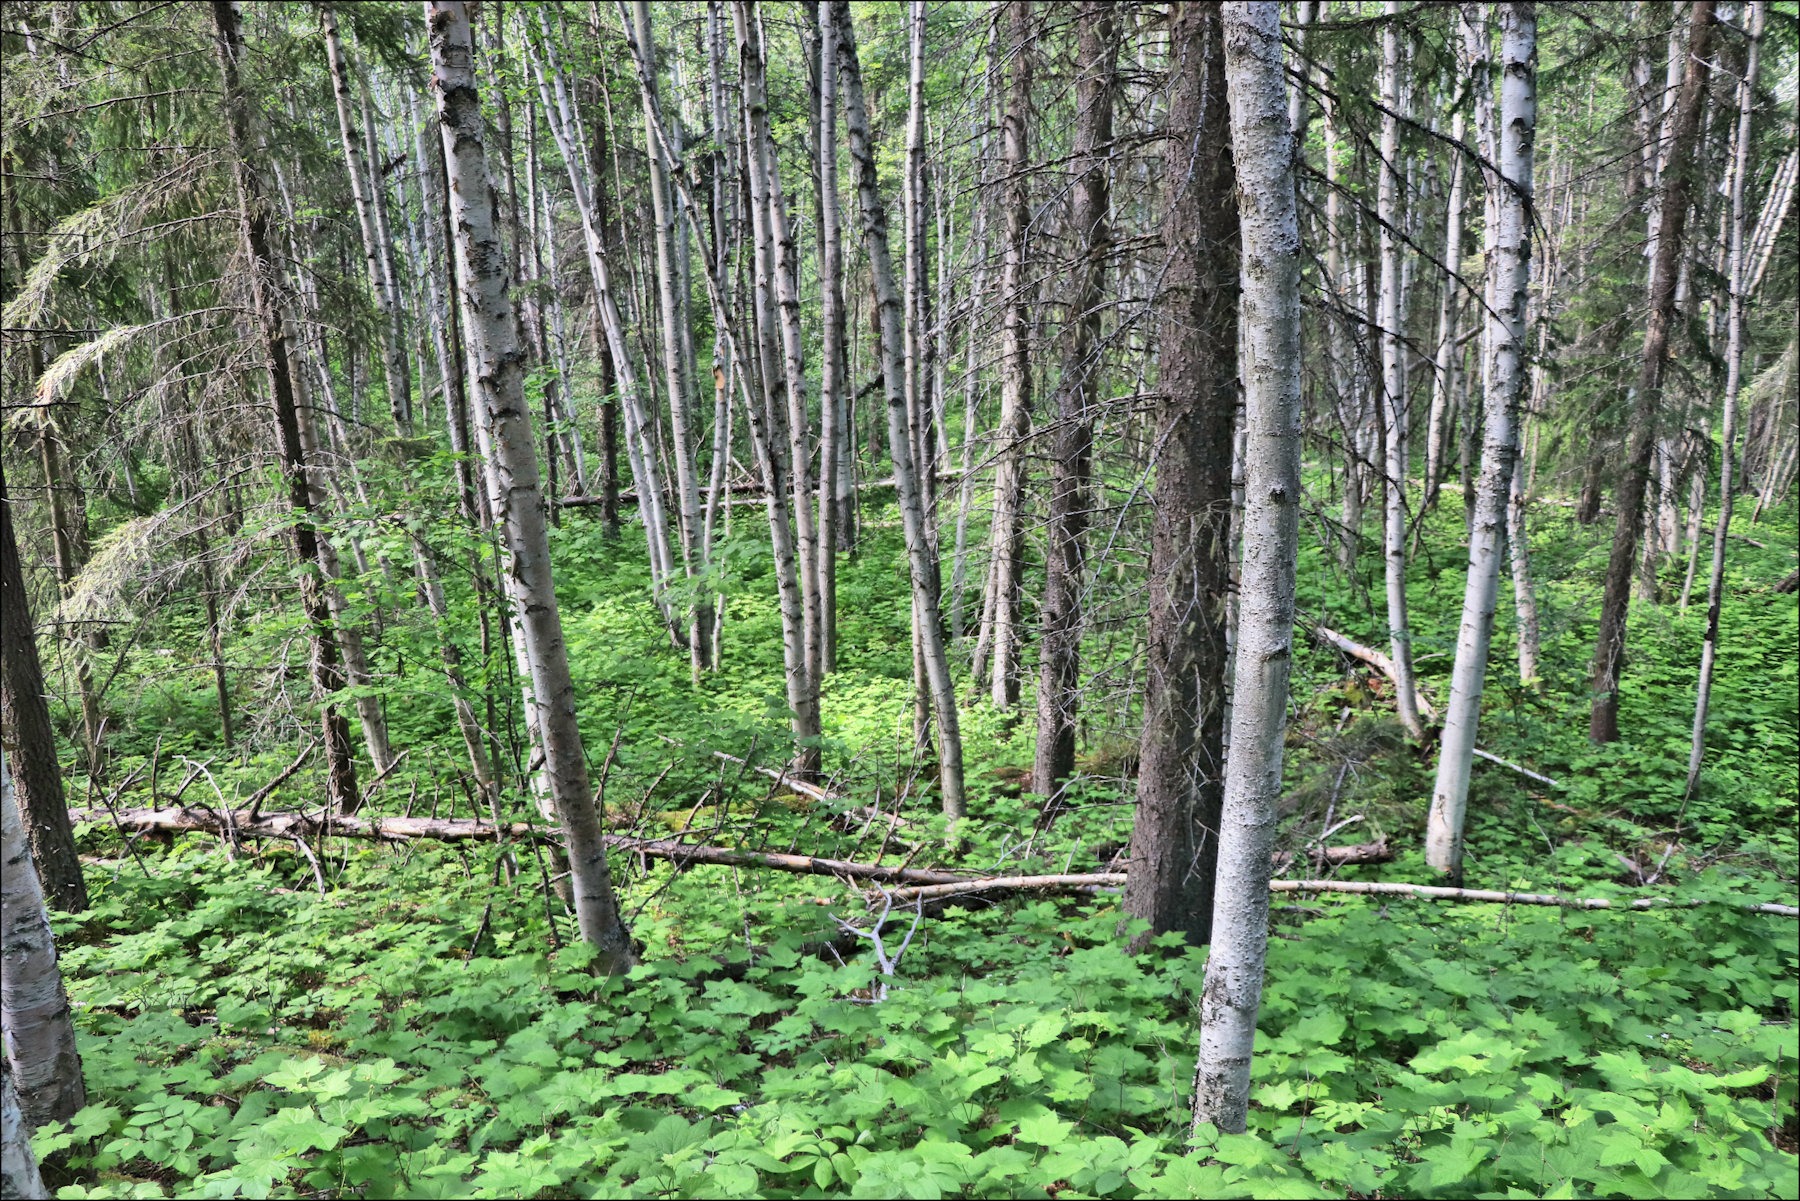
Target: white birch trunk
[[34, 1008], [1740, 286], [517, 497], [19, 1176], [1263, 149], [831, 319], [1443, 378], [394, 363], [922, 563], [1393, 379], [1509, 258]]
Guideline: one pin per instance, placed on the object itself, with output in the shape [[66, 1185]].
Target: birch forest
[[899, 598]]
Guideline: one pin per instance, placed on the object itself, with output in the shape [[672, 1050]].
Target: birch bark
[[518, 500], [831, 351], [1393, 378], [381, 287], [1508, 252], [1263, 151], [34, 1008], [921, 562], [1738, 285]]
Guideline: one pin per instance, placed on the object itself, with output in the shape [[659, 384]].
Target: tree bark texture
[[1059, 653], [921, 560], [1509, 265], [1677, 187], [1181, 752], [34, 1008], [28, 735], [1737, 284], [498, 362], [326, 668], [1008, 541], [1263, 151]]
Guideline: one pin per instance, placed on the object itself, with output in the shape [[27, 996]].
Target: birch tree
[[921, 561], [1263, 151], [19, 1176], [1508, 251], [34, 1008], [1393, 378], [1737, 284], [1181, 750], [497, 362]]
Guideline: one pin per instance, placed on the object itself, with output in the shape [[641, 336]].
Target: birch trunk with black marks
[[1393, 379], [34, 1008], [1263, 151], [1508, 253], [382, 287], [1738, 285], [498, 362], [921, 561]]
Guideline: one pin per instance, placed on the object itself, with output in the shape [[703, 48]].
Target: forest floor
[[426, 1030]]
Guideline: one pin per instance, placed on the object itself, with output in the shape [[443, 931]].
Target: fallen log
[[1093, 882], [1375, 659], [398, 829]]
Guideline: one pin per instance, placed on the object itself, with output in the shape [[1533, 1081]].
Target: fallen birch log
[[399, 829], [1095, 881], [1373, 658]]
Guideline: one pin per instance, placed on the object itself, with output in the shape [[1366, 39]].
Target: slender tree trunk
[[672, 301], [1181, 754], [1059, 670], [1263, 151], [40, 1033], [1443, 381], [327, 672], [832, 384], [68, 537], [19, 1176], [29, 737], [1508, 253], [381, 287], [518, 499], [921, 562], [1518, 542], [1393, 379], [1736, 281], [1615, 605], [1008, 540]]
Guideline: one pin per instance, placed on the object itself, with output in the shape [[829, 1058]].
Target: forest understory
[[1210, 612]]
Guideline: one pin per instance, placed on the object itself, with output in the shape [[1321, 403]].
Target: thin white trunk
[[1509, 265], [1739, 285], [640, 443], [921, 561], [517, 496], [1263, 150], [19, 1176], [831, 353], [1443, 379], [361, 184], [672, 304], [40, 1033], [1393, 379]]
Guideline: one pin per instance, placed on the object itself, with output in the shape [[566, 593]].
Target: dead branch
[[1094, 881], [1373, 658]]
